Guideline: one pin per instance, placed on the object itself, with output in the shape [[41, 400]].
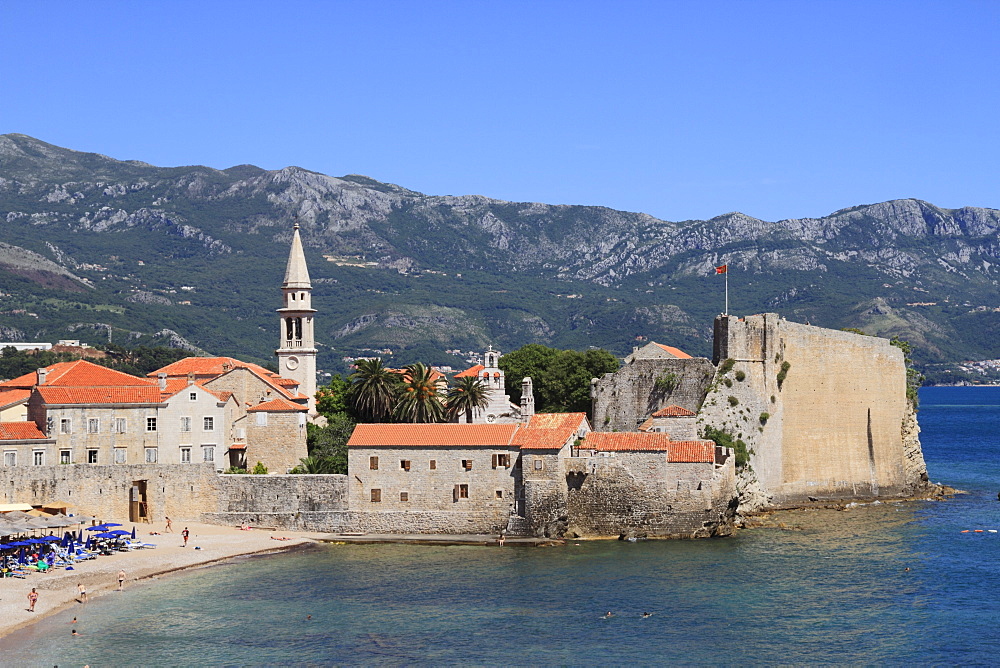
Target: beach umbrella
[[111, 524], [119, 532], [22, 559], [87, 546], [50, 539], [133, 532], [99, 527]]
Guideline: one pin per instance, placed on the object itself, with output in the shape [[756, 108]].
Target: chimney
[[161, 380], [527, 399], [42, 372], [190, 377]]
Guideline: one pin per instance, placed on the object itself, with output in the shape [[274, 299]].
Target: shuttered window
[[373, 463], [376, 496]]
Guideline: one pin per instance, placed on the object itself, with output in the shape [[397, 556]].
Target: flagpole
[[727, 291]]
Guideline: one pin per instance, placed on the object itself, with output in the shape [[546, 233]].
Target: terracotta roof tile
[[100, 395], [676, 352], [673, 411], [646, 425], [19, 431], [13, 396], [238, 446], [433, 435], [78, 373], [471, 371], [209, 367], [550, 431], [278, 405], [676, 451]]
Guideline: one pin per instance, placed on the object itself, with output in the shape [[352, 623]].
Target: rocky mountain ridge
[[901, 267]]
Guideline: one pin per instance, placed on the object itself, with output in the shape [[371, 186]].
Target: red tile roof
[[556, 420], [676, 352], [278, 405], [471, 371], [646, 425], [12, 397], [673, 411], [209, 367], [677, 451], [550, 431], [80, 373], [19, 431], [238, 446], [177, 385], [100, 395], [434, 435]]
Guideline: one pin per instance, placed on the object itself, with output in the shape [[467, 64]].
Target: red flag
[[722, 269]]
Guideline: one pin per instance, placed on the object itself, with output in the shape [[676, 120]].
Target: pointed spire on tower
[[296, 273]]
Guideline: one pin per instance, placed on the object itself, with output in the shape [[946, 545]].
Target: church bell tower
[[297, 351]]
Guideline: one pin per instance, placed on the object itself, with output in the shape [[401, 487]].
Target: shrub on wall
[[740, 376], [785, 366], [259, 469], [667, 382], [726, 366], [733, 401], [764, 417], [726, 440]]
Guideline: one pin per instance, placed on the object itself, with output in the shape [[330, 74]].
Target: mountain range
[[95, 248]]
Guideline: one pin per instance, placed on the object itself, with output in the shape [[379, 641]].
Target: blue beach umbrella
[[133, 532], [21, 558], [99, 527], [111, 524], [51, 539], [119, 532], [87, 546]]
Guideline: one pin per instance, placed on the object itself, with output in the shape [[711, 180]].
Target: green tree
[[333, 398], [561, 378], [418, 400], [464, 397], [328, 444], [374, 391]]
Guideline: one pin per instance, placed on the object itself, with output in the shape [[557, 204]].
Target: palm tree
[[465, 397], [418, 400], [374, 390]]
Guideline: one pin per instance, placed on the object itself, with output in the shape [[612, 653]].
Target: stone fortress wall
[[822, 412]]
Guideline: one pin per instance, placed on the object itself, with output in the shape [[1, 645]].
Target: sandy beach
[[57, 590]]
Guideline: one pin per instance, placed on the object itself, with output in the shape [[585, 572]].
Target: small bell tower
[[297, 351]]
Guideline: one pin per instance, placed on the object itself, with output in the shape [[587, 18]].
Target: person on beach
[[185, 534], [170, 527], [121, 579], [32, 599], [83, 594], [500, 538]]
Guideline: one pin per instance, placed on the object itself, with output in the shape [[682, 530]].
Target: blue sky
[[680, 110]]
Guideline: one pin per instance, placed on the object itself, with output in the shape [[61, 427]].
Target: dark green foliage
[[733, 401], [560, 378], [726, 366], [785, 366], [726, 440], [259, 469], [374, 391], [333, 397], [464, 397], [764, 417], [727, 382], [418, 397], [914, 379], [235, 470], [327, 446], [740, 376]]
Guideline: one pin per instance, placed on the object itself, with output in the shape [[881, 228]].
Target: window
[[151, 424], [93, 426], [150, 455], [185, 424], [461, 492], [185, 455], [121, 455], [376, 496], [91, 456], [208, 424], [404, 496], [10, 459], [65, 426], [501, 461], [261, 419], [65, 457], [404, 464], [499, 493], [434, 465], [538, 464], [38, 457], [208, 453], [192, 396], [120, 426], [373, 463], [467, 464]]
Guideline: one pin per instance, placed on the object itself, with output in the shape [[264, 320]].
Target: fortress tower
[[297, 351]]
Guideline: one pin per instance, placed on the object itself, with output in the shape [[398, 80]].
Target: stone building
[[650, 378], [297, 341]]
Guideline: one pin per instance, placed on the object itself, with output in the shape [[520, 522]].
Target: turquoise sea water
[[829, 588]]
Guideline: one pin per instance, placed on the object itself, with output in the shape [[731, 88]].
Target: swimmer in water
[[647, 614], [608, 615]]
